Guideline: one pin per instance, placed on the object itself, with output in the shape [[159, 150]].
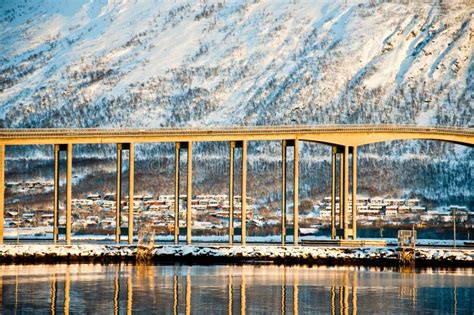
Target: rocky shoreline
[[220, 254]]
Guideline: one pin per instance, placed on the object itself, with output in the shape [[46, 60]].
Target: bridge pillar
[[131, 189], [243, 209], [295, 192], [346, 192], [354, 192], [2, 189], [333, 192], [56, 192], [189, 194], [343, 231], [341, 189], [178, 146], [231, 192], [58, 148], [176, 192], [283, 192], [69, 194], [118, 194]]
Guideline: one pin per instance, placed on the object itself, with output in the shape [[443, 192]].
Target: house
[[93, 197], [413, 202], [109, 197], [393, 202], [391, 211], [418, 209], [376, 200], [404, 209], [325, 213]]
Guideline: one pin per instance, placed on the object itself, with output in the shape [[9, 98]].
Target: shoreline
[[225, 254]]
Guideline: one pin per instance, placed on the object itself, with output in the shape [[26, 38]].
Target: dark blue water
[[225, 289]]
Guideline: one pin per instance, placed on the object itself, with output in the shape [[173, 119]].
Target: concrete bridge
[[344, 140]]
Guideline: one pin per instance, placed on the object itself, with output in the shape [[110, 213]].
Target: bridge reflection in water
[[121, 289]]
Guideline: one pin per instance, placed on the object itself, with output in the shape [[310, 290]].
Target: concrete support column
[[176, 192], [333, 193], [341, 190], [243, 212], [295, 193], [69, 194], [2, 190], [231, 192], [346, 191], [283, 192], [189, 198], [118, 194], [131, 189], [354, 192], [56, 193]]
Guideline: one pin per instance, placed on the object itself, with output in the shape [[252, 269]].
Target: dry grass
[[145, 252]]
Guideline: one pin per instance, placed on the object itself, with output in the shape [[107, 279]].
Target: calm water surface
[[229, 289]]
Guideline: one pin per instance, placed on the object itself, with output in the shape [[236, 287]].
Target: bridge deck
[[331, 134]]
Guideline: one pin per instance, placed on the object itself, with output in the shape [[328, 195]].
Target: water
[[226, 289]]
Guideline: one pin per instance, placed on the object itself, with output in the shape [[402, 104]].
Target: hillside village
[[95, 214]]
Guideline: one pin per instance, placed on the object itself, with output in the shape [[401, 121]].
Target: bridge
[[344, 140]]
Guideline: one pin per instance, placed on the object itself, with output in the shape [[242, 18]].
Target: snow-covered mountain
[[175, 63], [233, 62]]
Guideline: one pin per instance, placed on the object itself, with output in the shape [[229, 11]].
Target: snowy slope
[[194, 63]]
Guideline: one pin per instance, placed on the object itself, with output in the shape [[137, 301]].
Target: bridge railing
[[231, 130]]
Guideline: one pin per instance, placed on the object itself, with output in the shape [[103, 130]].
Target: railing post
[[56, 193], [231, 192], [354, 192], [189, 194], [69, 194], [283, 192], [333, 192], [346, 191], [2, 189], [131, 188], [295, 193], [243, 209], [176, 192], [118, 194]]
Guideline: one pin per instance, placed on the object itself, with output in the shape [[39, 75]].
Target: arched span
[[358, 138]]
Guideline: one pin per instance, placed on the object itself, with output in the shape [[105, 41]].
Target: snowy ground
[[225, 253]]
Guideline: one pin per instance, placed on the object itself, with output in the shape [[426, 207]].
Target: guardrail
[[235, 130]]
